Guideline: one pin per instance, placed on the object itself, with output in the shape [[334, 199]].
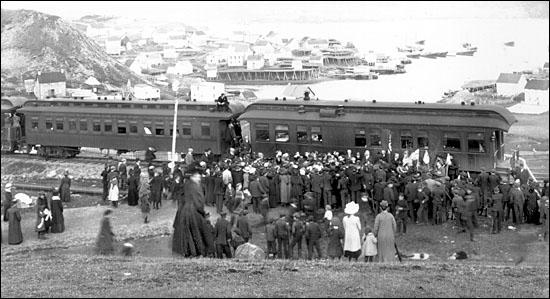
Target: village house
[[536, 92], [510, 84], [149, 59], [49, 85], [178, 41], [29, 80], [316, 60], [263, 47], [211, 70], [206, 91], [237, 54], [113, 46], [255, 62], [145, 92], [181, 68], [315, 43]]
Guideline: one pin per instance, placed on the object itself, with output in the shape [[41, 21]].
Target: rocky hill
[[34, 41]]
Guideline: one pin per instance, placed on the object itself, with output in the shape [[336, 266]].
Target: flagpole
[[174, 131]]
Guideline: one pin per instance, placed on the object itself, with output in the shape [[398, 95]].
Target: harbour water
[[425, 79]]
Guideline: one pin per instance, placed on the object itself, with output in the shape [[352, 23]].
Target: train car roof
[[161, 108], [482, 116], [13, 103]]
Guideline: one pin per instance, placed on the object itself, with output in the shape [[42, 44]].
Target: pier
[[266, 76]]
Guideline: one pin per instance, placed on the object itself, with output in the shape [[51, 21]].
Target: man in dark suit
[[222, 236], [313, 235], [208, 157], [282, 232]]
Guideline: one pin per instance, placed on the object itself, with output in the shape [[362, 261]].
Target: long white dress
[[113, 192], [352, 233]]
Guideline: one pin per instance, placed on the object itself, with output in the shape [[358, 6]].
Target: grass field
[[85, 276], [530, 131]]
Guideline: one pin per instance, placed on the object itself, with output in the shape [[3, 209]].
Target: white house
[[206, 91], [112, 46], [536, 92], [50, 85], [178, 41], [254, 62], [144, 92], [236, 55], [211, 70], [263, 47], [181, 68], [147, 60], [510, 84]]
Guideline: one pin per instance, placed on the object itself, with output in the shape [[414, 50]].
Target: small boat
[[469, 47], [420, 42], [405, 61], [466, 53], [441, 54], [510, 44], [414, 56], [431, 55]]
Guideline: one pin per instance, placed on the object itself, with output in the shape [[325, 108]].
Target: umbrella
[[24, 198]]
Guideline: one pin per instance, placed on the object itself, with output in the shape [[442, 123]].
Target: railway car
[[473, 135], [13, 123], [61, 127]]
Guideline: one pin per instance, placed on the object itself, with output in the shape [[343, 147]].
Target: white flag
[[415, 155], [426, 158]]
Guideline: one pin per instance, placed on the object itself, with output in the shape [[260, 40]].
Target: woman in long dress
[[65, 188], [190, 230], [284, 182], [13, 215], [113, 191], [133, 184], [58, 221], [104, 243], [144, 194], [274, 189], [335, 237], [352, 232], [384, 231]]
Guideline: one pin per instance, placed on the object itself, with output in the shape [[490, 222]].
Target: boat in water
[[352, 73], [441, 54], [432, 55], [510, 44], [466, 53], [413, 56]]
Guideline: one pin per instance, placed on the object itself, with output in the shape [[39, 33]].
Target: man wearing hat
[[65, 187], [222, 236], [504, 188], [313, 235], [298, 230], [517, 199], [390, 195], [469, 214], [123, 172], [384, 230], [438, 200], [282, 231], [482, 181], [317, 186]]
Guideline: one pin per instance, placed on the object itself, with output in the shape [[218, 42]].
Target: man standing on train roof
[[222, 103]]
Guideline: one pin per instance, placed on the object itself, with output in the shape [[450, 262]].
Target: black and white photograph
[[275, 149]]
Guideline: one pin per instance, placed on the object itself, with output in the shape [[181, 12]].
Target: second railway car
[[473, 135], [62, 126]]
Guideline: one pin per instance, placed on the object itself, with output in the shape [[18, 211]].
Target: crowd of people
[[396, 189]]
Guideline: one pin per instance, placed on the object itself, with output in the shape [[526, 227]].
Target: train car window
[[316, 135], [133, 127], [108, 126], [375, 139], [360, 137], [476, 143], [83, 125], [177, 132], [451, 141], [96, 126], [262, 132], [406, 139], [301, 134], [147, 128], [422, 139], [205, 129], [34, 123], [186, 129], [72, 125], [59, 124], [49, 124], [121, 127], [159, 129], [281, 133]]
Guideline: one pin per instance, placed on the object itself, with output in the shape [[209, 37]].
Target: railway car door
[[230, 135]]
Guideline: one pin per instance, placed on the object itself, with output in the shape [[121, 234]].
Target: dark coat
[[378, 192], [144, 195], [256, 189], [316, 183], [218, 185], [65, 189], [15, 236], [274, 191], [58, 221], [334, 247], [282, 229], [244, 227], [313, 231], [104, 244], [222, 231], [7, 204], [410, 191], [390, 195], [133, 191], [296, 186], [355, 180], [190, 229], [156, 188]]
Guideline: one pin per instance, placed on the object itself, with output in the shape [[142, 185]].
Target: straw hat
[[351, 208]]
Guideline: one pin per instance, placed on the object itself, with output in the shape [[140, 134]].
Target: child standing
[[369, 249]]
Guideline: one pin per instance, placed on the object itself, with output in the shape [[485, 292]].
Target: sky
[[242, 12]]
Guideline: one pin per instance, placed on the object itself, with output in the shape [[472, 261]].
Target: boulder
[[248, 251]]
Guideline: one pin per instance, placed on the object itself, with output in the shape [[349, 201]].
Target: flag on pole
[[449, 158], [389, 142], [415, 155]]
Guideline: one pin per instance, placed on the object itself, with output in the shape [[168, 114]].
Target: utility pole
[[174, 132]]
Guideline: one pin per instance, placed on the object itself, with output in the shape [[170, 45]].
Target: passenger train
[[472, 134]]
